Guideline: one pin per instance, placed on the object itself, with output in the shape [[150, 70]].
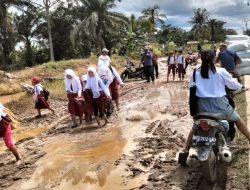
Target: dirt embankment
[[136, 151]]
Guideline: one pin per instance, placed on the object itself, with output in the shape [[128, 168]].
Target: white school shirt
[[171, 60], [38, 88], [180, 59], [104, 58], [214, 87]]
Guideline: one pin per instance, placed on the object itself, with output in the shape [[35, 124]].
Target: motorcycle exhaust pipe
[[226, 155]]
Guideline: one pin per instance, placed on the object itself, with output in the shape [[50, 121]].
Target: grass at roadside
[[239, 166], [20, 105], [56, 69], [56, 89]]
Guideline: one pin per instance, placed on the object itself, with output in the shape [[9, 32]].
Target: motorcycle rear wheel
[[209, 168]]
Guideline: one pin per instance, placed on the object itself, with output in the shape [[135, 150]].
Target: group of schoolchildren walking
[[94, 92], [91, 94]]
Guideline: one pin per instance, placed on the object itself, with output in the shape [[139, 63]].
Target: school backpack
[[46, 94]]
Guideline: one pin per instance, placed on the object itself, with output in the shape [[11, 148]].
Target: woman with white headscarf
[[114, 86], [74, 92], [98, 90], [5, 132], [88, 103], [104, 73]]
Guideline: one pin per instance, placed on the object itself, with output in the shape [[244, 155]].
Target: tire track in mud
[[156, 154]]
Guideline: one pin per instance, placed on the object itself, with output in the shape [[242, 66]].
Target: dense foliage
[[57, 30]]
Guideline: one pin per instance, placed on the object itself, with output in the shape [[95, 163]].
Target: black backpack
[[46, 94]]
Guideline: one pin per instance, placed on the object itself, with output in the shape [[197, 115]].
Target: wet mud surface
[[136, 151]]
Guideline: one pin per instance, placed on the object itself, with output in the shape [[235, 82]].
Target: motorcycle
[[210, 143], [129, 73]]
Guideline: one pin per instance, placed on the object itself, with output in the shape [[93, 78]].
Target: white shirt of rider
[[214, 87]]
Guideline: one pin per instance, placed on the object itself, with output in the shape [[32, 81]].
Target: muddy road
[[136, 151]]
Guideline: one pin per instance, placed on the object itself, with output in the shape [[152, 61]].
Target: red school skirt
[[4, 124], [75, 107], [114, 89], [100, 102], [88, 106], [41, 103]]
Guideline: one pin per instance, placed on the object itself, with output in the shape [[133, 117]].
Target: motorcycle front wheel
[[123, 76], [209, 168]]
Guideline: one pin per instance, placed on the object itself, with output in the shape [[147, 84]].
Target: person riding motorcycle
[[210, 90]]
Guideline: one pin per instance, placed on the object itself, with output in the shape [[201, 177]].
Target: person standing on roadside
[[146, 60], [180, 60], [155, 64], [171, 61], [228, 60]]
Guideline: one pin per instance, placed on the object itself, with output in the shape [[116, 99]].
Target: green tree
[[170, 33], [199, 22], [153, 15], [217, 31], [6, 29], [98, 21], [47, 5], [26, 25]]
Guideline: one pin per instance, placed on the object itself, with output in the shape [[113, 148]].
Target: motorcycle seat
[[207, 115]]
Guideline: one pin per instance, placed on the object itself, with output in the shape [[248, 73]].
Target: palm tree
[[6, 28], [199, 21], [98, 21], [153, 15], [216, 28]]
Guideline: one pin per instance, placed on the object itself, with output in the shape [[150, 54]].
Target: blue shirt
[[227, 59], [146, 59]]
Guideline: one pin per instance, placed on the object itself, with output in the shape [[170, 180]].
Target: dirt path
[[137, 151]]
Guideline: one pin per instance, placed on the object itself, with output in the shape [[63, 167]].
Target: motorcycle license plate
[[201, 139]]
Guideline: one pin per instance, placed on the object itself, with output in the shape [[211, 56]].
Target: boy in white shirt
[[171, 61], [180, 60]]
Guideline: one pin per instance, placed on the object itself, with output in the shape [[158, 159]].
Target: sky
[[179, 12]]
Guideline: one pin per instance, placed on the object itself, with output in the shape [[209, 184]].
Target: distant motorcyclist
[[211, 83]]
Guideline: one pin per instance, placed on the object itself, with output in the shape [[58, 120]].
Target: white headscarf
[[93, 83], [104, 72], [74, 84], [84, 77]]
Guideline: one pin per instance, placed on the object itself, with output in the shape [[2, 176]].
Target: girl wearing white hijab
[[114, 86], [74, 91], [88, 104], [5, 132], [98, 91]]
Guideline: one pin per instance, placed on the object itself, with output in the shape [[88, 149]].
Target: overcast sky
[[234, 12]]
